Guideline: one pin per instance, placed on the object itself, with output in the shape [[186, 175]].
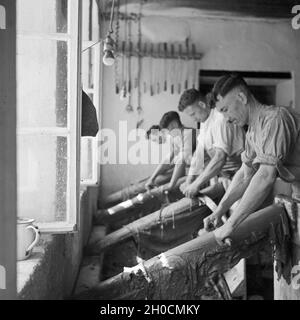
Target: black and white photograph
[[150, 152]]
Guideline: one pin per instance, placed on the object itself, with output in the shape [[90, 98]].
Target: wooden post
[[182, 272], [287, 284], [8, 179]]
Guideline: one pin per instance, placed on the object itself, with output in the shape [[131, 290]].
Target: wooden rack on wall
[[155, 68], [160, 51]]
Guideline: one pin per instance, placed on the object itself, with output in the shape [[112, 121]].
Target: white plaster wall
[[229, 44]]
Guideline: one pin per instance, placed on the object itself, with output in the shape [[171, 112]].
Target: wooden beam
[[132, 191], [183, 209], [182, 272], [142, 204], [251, 8]]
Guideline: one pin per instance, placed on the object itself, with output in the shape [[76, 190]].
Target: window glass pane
[[86, 158], [88, 58], [42, 82], [42, 16], [42, 177]]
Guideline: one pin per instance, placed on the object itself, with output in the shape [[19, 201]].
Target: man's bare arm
[[257, 191], [213, 168], [236, 189], [178, 172], [165, 165]]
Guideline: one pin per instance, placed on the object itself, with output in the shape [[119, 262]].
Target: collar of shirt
[[254, 111]]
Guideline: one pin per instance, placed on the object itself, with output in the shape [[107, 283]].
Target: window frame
[[95, 91], [73, 129], [8, 187]]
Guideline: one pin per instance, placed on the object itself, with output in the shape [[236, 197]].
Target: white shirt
[[214, 133], [183, 146]]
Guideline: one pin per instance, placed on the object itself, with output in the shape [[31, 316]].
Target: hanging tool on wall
[[129, 107], [180, 69], [172, 69], [117, 62], [158, 69], [177, 72], [135, 55], [145, 64], [140, 70], [166, 61], [139, 59], [186, 64], [154, 83], [123, 92], [151, 70], [194, 66], [124, 64], [129, 69]]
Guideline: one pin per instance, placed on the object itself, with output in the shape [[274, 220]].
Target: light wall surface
[[226, 44]]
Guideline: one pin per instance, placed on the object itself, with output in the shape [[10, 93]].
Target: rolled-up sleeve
[[275, 139], [248, 154], [223, 136]]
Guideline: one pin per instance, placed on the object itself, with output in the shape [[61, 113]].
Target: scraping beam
[[182, 272], [152, 199], [132, 191], [182, 209]]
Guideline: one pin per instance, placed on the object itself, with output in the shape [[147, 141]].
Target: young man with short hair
[[183, 144], [222, 141]]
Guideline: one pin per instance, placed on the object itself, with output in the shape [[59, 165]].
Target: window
[[91, 58], [48, 112]]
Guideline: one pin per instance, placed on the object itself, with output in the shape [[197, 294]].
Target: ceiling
[[272, 9]]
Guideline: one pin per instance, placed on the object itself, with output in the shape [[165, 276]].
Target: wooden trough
[[170, 226], [187, 271]]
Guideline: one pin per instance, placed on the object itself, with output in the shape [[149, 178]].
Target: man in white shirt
[[222, 141], [183, 144]]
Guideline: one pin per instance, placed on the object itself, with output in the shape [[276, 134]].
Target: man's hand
[[222, 234], [168, 187], [212, 222], [191, 190], [183, 186], [149, 184]]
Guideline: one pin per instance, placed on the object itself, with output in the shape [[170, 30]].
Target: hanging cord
[[124, 71], [110, 31], [129, 107], [99, 41], [139, 92], [117, 73], [111, 17], [139, 107]]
